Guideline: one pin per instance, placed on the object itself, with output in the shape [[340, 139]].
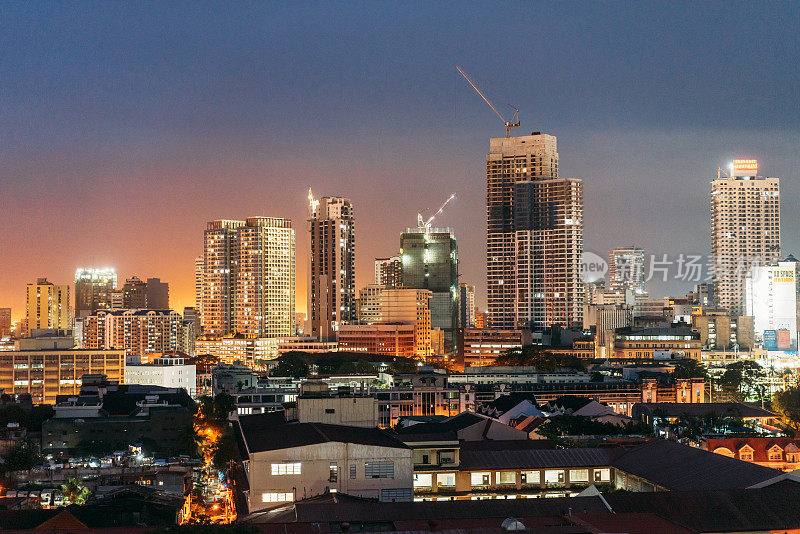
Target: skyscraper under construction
[[534, 235]]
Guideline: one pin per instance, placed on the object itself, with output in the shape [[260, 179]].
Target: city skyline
[[131, 177]]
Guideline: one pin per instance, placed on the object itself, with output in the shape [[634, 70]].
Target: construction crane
[[427, 224], [509, 124]]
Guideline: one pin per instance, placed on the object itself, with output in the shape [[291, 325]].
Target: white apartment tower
[[332, 268], [626, 270], [745, 229], [534, 235]]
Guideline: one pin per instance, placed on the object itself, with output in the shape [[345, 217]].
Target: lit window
[[286, 469], [579, 475], [506, 477], [276, 497], [481, 478]]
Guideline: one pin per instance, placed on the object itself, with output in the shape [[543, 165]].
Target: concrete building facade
[[47, 306], [332, 267], [534, 235], [93, 290]]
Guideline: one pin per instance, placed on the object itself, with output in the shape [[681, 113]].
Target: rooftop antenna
[[509, 123]]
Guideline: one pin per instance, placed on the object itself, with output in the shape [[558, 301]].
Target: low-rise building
[[227, 349], [680, 390], [168, 372], [774, 452], [285, 461], [48, 365], [110, 417], [656, 343], [513, 375], [721, 331], [385, 339], [482, 346]]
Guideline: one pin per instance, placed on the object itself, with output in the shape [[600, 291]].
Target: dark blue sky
[[125, 126]]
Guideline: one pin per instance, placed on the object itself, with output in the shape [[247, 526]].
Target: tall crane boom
[[509, 124], [427, 224]]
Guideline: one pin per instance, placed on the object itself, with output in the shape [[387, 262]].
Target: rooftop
[[270, 431]]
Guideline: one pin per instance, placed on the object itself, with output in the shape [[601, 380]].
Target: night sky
[[124, 127]]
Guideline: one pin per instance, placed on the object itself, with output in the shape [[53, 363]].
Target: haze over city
[[124, 129]]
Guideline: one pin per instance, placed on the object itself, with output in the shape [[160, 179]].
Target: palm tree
[[74, 491]]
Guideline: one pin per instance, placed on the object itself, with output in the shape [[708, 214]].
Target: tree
[[74, 492], [578, 425], [597, 376], [291, 365], [537, 356], [23, 457], [224, 451], [688, 368], [787, 404], [742, 380]]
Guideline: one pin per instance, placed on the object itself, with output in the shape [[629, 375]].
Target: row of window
[[371, 470]]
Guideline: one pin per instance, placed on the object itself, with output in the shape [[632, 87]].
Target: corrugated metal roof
[[535, 458]]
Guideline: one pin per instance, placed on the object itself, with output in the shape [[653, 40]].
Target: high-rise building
[[157, 294], [134, 293], [117, 298], [248, 278], [199, 267], [93, 289], [430, 261], [5, 322], [772, 297], [265, 281], [534, 235], [48, 306], [389, 271], [137, 332], [217, 309], [745, 229], [548, 224], [626, 270], [466, 305], [332, 268]]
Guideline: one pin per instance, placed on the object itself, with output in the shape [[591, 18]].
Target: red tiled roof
[[759, 445]]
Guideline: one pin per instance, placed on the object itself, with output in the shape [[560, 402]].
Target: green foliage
[[224, 450], [333, 366], [23, 457], [74, 492], [291, 364], [216, 409], [742, 381], [403, 365], [692, 427], [688, 368], [787, 404], [559, 427], [597, 376], [537, 356]]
